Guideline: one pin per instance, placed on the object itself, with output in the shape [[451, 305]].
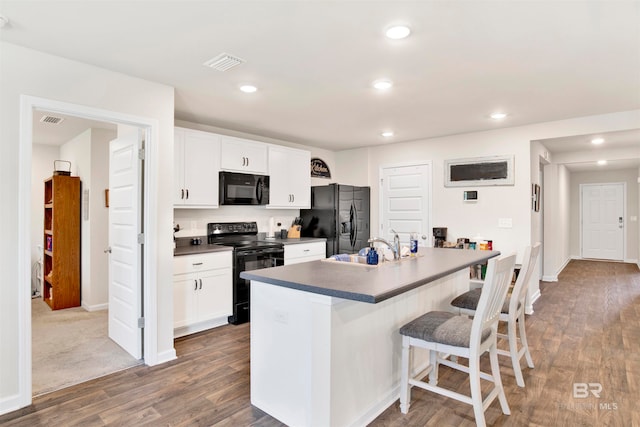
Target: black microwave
[[243, 189]]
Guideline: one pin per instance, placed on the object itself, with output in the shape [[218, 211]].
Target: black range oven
[[249, 253]]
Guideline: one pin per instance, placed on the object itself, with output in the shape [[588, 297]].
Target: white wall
[[28, 72], [41, 169], [628, 176]]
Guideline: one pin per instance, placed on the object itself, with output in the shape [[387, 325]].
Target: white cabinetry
[[202, 291], [196, 166], [290, 178], [303, 252], [241, 155]]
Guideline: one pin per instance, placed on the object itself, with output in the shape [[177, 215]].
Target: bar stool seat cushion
[[469, 300], [442, 327]]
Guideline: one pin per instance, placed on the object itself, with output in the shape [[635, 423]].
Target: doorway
[[602, 208], [71, 346], [405, 202], [148, 199]]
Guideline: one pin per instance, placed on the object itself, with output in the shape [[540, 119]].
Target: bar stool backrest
[[522, 282]]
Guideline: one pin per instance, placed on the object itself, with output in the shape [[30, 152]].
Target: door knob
[[108, 250]]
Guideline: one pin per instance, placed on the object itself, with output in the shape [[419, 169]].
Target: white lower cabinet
[[202, 292], [303, 252]]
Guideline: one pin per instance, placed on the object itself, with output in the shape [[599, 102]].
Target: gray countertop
[[371, 284], [200, 249], [298, 241]]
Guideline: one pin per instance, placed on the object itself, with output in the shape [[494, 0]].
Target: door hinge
[[141, 154], [141, 238], [141, 322]]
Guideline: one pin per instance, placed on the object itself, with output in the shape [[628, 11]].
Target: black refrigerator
[[339, 213]]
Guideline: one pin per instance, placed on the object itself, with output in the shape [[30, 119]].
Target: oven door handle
[[259, 251]]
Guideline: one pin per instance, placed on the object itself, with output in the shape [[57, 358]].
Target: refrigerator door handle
[[355, 226], [351, 229]]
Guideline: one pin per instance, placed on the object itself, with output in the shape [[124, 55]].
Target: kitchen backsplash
[[193, 222]]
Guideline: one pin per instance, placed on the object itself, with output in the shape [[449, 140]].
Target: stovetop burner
[[239, 235]]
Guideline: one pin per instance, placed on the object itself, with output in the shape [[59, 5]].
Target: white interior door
[[125, 278], [603, 221], [405, 203]]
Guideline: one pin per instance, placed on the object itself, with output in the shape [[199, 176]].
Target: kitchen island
[[325, 347]]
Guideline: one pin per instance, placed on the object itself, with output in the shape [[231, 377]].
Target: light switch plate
[[505, 222]]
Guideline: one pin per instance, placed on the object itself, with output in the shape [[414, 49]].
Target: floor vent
[[51, 120], [223, 62]]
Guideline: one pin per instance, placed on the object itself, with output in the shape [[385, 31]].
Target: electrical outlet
[[281, 316], [505, 222]]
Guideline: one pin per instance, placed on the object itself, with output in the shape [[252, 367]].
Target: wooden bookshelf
[[61, 263]]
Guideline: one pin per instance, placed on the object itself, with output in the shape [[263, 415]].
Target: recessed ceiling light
[[597, 141], [382, 84], [387, 134], [498, 115], [602, 162], [397, 32], [248, 88]]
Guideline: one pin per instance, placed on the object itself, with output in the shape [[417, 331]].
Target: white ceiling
[[314, 61]]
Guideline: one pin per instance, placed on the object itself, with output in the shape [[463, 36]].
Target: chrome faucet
[[395, 248]]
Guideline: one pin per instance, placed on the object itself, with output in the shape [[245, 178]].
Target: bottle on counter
[[413, 244], [372, 256]]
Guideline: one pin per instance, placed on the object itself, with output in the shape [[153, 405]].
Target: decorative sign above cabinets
[[319, 169]]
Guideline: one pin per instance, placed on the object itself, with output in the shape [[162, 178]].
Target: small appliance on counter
[[439, 236]]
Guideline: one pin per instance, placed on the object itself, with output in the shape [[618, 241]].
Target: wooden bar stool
[[512, 312], [451, 334]]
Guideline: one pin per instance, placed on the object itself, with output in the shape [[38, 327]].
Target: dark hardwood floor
[[586, 329]]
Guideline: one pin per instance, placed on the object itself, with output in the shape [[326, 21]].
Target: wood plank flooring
[[586, 329]]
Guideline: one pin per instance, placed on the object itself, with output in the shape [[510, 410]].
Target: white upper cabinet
[[290, 178], [241, 155], [196, 166]]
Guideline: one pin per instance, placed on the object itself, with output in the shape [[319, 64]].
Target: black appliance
[[339, 213], [249, 253], [439, 236], [243, 189]]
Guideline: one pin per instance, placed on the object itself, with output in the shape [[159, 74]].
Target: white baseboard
[[554, 277], [529, 308], [166, 356], [199, 327], [96, 307], [631, 261], [10, 404]]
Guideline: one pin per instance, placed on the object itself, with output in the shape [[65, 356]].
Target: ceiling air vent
[[223, 62], [51, 120]]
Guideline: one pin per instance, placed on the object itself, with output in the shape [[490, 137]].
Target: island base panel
[[318, 360]]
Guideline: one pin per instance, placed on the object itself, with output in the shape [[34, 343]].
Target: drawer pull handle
[[196, 282], [197, 263], [200, 283]]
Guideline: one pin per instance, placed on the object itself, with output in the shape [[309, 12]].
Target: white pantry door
[[603, 221], [405, 201], [125, 278]]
